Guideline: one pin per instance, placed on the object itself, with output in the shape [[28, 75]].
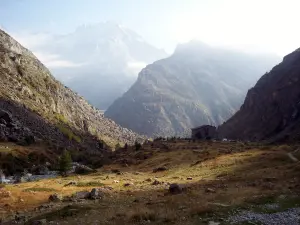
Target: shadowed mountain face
[[104, 60], [271, 110], [197, 85], [33, 99]]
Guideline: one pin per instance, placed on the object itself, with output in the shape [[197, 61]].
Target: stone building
[[205, 132]]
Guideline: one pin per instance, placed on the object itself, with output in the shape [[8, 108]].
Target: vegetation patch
[[90, 184], [68, 132], [39, 189], [61, 118]]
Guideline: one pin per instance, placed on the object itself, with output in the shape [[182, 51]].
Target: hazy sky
[[254, 25]]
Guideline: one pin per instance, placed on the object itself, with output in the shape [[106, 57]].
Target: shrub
[[137, 146]]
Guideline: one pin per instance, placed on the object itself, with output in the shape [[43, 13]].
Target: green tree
[[137, 146], [65, 162]]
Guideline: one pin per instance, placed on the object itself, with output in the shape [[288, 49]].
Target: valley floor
[[222, 183]]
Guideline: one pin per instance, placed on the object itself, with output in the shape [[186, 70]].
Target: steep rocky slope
[[197, 85], [31, 96], [271, 110]]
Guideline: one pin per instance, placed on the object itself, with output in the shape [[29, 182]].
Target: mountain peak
[[192, 46]]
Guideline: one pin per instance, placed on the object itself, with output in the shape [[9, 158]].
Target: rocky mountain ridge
[[197, 85], [50, 110], [271, 110]]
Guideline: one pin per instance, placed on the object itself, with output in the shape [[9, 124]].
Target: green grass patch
[[40, 189], [68, 132], [61, 118], [90, 184]]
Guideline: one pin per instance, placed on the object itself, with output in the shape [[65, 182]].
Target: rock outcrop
[[271, 110]]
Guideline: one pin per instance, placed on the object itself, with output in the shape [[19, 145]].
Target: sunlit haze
[[251, 25]]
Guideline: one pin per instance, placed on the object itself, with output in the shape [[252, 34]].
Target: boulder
[[175, 188], [96, 193], [6, 116], [210, 190], [55, 198], [40, 170], [156, 182], [71, 183], [81, 195], [160, 169], [82, 169], [128, 184]]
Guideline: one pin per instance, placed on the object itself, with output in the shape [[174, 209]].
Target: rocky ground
[[174, 182]]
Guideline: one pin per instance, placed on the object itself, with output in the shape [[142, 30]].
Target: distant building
[[205, 132]]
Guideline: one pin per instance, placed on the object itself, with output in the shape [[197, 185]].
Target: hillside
[[218, 183], [197, 85], [271, 110], [102, 60], [34, 104]]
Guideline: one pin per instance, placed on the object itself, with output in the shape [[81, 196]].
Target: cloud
[[37, 43], [54, 61], [136, 66], [33, 41]]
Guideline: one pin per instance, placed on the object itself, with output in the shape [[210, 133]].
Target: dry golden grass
[[236, 172]]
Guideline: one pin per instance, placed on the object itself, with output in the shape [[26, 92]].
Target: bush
[[137, 146]]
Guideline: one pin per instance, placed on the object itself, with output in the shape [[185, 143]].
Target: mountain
[[33, 105], [197, 85], [271, 110], [101, 60]]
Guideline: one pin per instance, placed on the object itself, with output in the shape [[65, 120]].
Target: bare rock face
[[271, 110], [30, 95]]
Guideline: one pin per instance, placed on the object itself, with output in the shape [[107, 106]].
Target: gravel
[[289, 217]]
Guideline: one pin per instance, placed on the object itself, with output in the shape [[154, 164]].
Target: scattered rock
[[149, 180], [81, 195], [96, 193], [156, 182], [39, 222], [189, 178], [115, 171], [55, 198], [116, 181], [210, 190], [160, 169], [128, 184], [71, 183], [82, 169], [175, 189]]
